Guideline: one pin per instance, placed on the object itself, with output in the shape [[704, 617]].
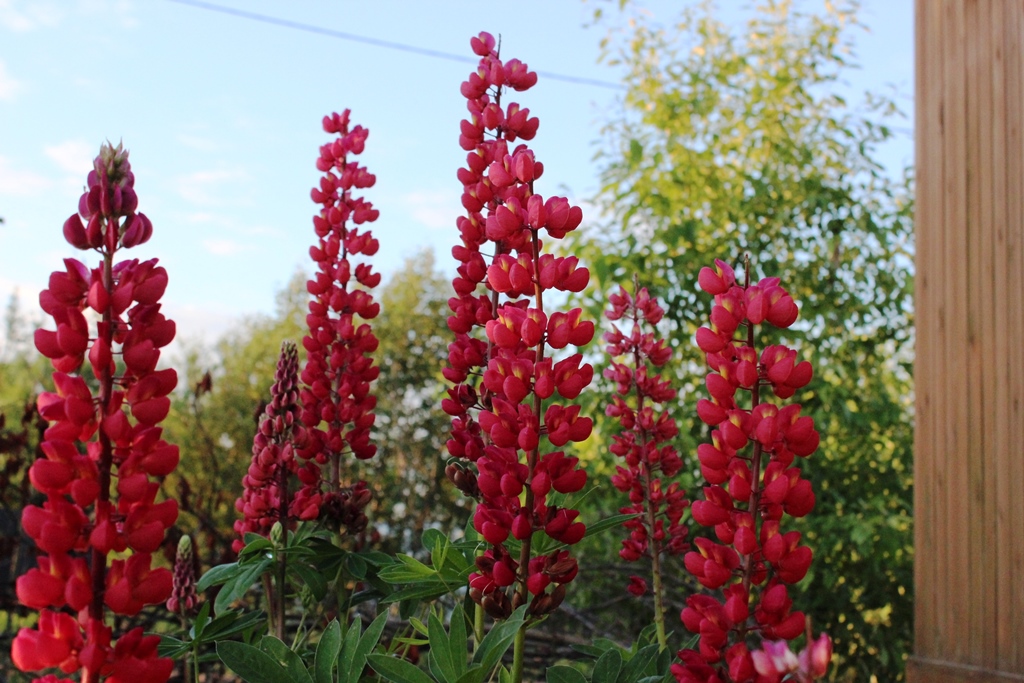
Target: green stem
[[98, 560], [478, 626], [519, 648], [269, 593]]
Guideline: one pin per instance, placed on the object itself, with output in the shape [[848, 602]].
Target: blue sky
[[222, 117]]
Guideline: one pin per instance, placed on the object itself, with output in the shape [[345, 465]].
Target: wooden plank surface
[[937, 671], [982, 282], [1012, 596], [959, 222], [998, 505], [926, 31], [969, 369]]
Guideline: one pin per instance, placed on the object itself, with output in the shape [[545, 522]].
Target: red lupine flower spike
[[268, 494], [636, 406], [85, 516], [752, 485], [499, 359], [337, 406]]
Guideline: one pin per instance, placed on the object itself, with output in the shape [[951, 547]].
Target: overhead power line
[[377, 42]]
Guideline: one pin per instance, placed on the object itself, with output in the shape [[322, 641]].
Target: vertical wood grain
[[969, 367]]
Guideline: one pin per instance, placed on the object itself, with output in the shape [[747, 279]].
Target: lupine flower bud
[[267, 496], [184, 598]]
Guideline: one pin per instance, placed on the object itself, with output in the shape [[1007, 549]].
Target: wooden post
[[969, 368]]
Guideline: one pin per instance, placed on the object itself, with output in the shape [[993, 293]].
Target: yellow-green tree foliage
[[732, 141]]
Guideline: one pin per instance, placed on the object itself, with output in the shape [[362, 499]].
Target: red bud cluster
[[645, 431], [184, 597], [752, 483], [266, 497], [103, 451], [337, 406], [504, 403]]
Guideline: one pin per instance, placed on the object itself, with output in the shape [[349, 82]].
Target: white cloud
[[196, 325], [197, 142], [29, 14], [202, 217], [73, 156], [206, 187], [9, 87], [229, 224], [435, 209], [224, 247], [20, 183]]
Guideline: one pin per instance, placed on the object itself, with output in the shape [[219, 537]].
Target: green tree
[[411, 491], [732, 143], [222, 391]]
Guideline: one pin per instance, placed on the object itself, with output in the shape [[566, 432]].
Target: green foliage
[[732, 143], [448, 661], [222, 392], [337, 658], [642, 662], [23, 371], [411, 492]]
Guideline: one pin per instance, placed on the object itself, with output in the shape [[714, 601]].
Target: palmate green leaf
[[239, 584], [349, 645], [607, 668], [409, 569], [498, 640], [255, 665], [427, 590], [397, 670], [284, 656], [217, 575], [638, 665], [229, 624], [172, 648], [367, 641], [441, 661], [327, 651], [310, 577], [458, 641], [564, 674], [254, 544], [200, 622]]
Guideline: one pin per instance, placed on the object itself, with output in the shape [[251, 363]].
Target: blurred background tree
[[222, 389], [732, 141]]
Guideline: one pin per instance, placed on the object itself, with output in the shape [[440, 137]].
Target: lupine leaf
[[397, 670], [607, 668], [252, 664], [564, 674], [327, 651]]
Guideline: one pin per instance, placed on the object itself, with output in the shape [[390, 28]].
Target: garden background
[[230, 171]]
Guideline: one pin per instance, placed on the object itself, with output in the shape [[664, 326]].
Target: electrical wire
[[377, 42]]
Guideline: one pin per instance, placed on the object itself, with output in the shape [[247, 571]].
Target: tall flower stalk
[[508, 423], [337, 406], [270, 506], [752, 485], [657, 527], [103, 449]]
